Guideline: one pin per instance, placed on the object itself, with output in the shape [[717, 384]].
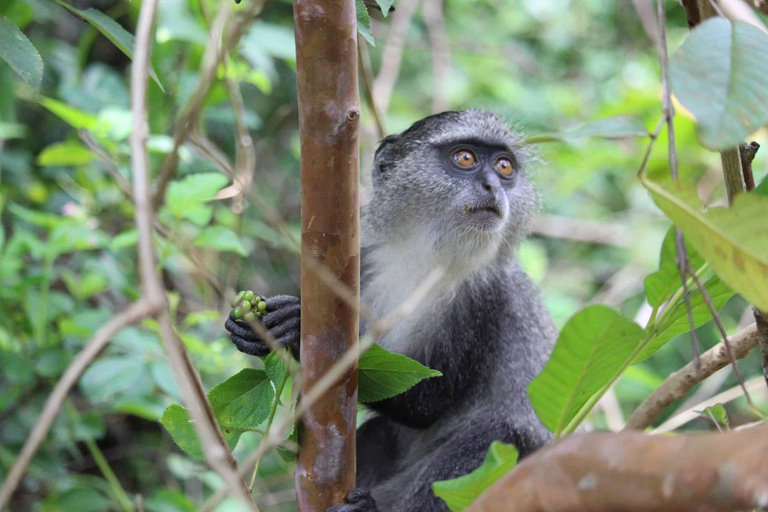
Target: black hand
[[282, 320], [359, 500]]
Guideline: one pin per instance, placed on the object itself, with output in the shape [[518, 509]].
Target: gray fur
[[483, 325]]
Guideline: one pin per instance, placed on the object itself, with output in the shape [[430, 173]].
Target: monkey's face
[[458, 176]]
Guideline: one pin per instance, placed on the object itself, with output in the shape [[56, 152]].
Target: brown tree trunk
[[329, 111]]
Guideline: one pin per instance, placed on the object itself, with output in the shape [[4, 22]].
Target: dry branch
[[632, 472], [678, 384], [215, 448]]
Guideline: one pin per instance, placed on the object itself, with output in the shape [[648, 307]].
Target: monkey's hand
[[359, 500], [282, 320]]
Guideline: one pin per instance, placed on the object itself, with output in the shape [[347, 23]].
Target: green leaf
[[243, 400], [185, 198], [676, 321], [385, 5], [275, 368], [732, 240], [364, 22], [20, 54], [720, 74], [716, 413], [618, 127], [177, 422], [112, 31], [112, 376], [383, 374], [461, 492], [65, 153], [593, 348], [220, 238], [663, 283], [124, 240], [70, 115], [12, 130]]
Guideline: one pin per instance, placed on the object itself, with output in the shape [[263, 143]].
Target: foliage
[[67, 241]]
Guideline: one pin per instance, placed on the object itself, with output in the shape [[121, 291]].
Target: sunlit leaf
[[177, 422], [660, 285], [20, 54], [461, 492], [74, 117], [221, 239], [732, 240], [383, 374], [716, 413], [720, 74], [65, 153], [593, 348]]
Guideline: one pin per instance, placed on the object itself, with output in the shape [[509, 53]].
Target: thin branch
[[392, 55], [684, 266], [90, 351], [584, 230], [645, 12], [691, 413], [679, 383], [716, 317], [633, 472], [220, 43], [214, 446], [366, 72], [441, 56], [747, 153], [761, 320]]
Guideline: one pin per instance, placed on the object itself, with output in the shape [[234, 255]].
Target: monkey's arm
[[282, 321]]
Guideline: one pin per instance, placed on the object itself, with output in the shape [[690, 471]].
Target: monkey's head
[[460, 175]]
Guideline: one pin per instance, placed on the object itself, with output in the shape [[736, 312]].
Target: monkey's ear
[[381, 159]]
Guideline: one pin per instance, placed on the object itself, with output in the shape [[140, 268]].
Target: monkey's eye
[[464, 158], [504, 166]]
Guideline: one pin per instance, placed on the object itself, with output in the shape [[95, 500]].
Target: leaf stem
[[272, 411]]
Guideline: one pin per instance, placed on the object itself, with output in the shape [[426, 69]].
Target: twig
[[644, 9], [392, 55], [747, 153], [716, 317], [366, 72], [93, 348], [633, 472], [678, 384], [761, 320], [583, 230], [734, 181], [213, 56], [694, 412], [214, 446], [684, 266], [441, 57]]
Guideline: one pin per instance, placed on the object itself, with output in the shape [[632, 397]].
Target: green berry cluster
[[248, 306]]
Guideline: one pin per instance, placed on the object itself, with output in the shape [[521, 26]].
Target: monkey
[[451, 191]]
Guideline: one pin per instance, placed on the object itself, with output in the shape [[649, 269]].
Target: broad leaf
[[617, 127], [113, 31], [733, 240], [383, 374], [186, 198], [594, 346], [70, 115], [385, 6], [716, 413], [177, 422], [675, 322], [221, 239], [275, 368], [243, 400], [107, 378], [20, 54], [64, 153], [364, 22], [461, 492], [720, 74], [662, 284]]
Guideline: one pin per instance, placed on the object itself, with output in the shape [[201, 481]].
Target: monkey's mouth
[[491, 207]]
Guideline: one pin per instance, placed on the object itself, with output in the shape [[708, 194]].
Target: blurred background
[[67, 243]]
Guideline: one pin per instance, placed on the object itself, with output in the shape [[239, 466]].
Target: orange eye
[[464, 158], [504, 166]]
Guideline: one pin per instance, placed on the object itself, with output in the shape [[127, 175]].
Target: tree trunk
[[329, 111]]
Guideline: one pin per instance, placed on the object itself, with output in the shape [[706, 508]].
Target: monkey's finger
[[279, 316], [290, 325], [252, 348], [280, 301], [241, 330]]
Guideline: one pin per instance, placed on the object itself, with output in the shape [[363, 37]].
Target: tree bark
[[329, 111]]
